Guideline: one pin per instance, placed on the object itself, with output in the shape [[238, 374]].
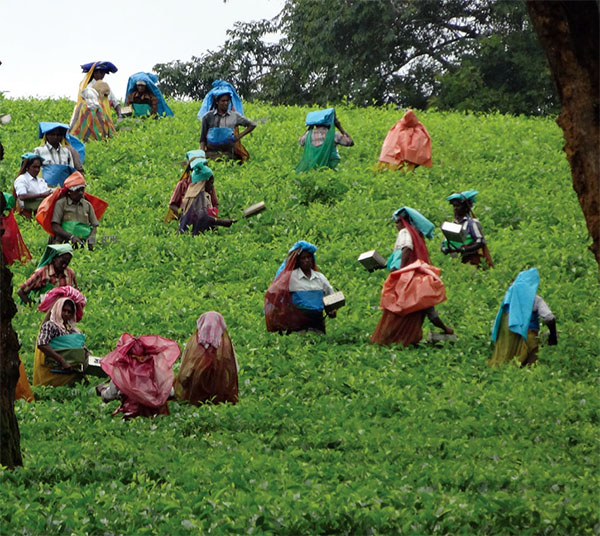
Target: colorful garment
[[141, 369], [324, 154], [91, 117], [407, 145], [45, 278], [209, 367]]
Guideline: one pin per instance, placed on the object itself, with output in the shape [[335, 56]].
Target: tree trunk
[[568, 33], [10, 439]]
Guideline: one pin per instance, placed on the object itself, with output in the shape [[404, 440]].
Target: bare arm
[[49, 352]]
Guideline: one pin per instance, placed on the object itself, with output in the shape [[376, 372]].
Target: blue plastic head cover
[[417, 219], [519, 297], [99, 66], [150, 80], [321, 117], [466, 196], [28, 156], [46, 126], [200, 171], [220, 87]]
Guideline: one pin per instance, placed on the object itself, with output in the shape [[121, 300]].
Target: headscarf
[[417, 219], [195, 153], [64, 292], [211, 326], [301, 245], [31, 156], [468, 196], [200, 171], [56, 314], [99, 66], [519, 297], [220, 87], [54, 250], [74, 181], [149, 80]]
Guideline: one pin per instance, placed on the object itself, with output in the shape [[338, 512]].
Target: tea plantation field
[[332, 435]]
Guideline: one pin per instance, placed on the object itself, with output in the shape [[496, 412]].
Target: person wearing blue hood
[[517, 324], [59, 148], [222, 116], [145, 97]]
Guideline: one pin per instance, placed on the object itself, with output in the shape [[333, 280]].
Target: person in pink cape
[[406, 146], [140, 369]]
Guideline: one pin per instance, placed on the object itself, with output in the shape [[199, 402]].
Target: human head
[[200, 171], [461, 208], [305, 261], [76, 193], [31, 163], [55, 136], [60, 262], [141, 86], [99, 73], [222, 102], [68, 312]]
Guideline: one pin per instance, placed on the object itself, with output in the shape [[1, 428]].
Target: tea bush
[[331, 434]]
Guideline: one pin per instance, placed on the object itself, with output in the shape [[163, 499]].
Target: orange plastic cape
[[46, 208], [407, 141], [414, 288]]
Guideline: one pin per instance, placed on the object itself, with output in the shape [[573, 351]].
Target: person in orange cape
[[72, 215], [209, 367], [140, 370], [411, 292], [407, 145], [294, 300]]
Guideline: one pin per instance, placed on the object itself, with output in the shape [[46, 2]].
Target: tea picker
[[464, 236]]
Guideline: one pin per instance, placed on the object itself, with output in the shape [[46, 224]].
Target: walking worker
[[473, 250], [320, 140], [517, 324], [222, 115]]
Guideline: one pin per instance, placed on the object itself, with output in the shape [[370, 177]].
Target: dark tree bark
[[10, 439], [568, 33]]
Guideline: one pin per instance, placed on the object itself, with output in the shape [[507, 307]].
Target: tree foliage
[[464, 54]]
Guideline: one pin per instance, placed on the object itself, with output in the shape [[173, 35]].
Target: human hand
[[90, 246], [76, 240], [448, 331], [552, 340], [332, 314]]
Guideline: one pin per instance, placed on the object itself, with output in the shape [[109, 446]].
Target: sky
[[44, 42]]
